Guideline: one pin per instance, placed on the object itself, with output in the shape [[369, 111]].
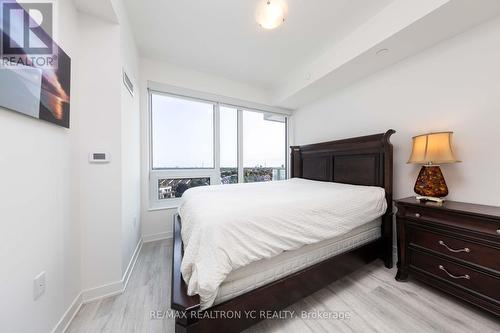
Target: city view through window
[[264, 150], [183, 138]]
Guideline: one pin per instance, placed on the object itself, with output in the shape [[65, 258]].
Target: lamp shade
[[433, 148]]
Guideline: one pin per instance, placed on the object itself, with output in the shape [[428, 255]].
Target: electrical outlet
[[38, 286]]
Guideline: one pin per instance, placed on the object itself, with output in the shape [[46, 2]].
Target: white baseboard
[[93, 294], [113, 288], [131, 264], [106, 290], [68, 316], [156, 237]]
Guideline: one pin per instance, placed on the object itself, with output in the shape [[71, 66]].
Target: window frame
[[213, 173]]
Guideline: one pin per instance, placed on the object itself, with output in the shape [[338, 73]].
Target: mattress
[[265, 271], [227, 227]]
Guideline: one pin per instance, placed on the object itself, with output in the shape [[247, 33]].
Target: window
[[228, 145], [196, 142], [264, 147], [182, 133]]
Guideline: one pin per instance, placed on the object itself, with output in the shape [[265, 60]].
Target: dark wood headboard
[[365, 160]]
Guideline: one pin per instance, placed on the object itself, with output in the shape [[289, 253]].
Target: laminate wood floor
[[374, 300]]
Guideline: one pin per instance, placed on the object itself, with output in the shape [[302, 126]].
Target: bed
[[285, 262]]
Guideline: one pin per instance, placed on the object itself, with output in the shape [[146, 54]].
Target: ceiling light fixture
[[271, 13]]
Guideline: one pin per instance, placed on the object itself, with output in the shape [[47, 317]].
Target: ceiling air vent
[[128, 83]]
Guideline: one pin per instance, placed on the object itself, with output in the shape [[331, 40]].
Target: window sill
[[154, 209], [164, 204]]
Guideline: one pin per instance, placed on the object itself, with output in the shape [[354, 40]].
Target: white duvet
[[225, 227]]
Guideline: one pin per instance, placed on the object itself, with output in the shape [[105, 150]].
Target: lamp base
[[432, 199], [430, 183]]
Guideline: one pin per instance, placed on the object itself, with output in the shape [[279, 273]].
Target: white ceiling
[[221, 37], [323, 45]]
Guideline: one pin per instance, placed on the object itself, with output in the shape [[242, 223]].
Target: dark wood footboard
[[246, 310], [360, 161]]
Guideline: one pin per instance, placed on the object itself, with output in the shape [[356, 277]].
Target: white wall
[[159, 223], [452, 86], [130, 141], [109, 193], [78, 222], [99, 129], [39, 229]]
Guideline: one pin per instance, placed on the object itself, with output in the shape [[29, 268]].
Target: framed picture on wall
[[35, 73]]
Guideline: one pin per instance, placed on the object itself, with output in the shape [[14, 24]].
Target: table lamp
[[431, 150]]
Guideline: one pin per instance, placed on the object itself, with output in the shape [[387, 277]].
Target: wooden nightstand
[[454, 247]]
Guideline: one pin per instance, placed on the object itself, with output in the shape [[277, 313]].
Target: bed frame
[[363, 160]]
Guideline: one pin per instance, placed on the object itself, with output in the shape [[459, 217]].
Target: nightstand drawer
[[454, 247], [458, 248], [469, 223], [462, 276]]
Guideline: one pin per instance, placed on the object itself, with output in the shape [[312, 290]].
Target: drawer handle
[[466, 249], [417, 215], [498, 231], [466, 276]]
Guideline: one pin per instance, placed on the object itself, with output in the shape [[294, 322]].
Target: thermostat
[[99, 158]]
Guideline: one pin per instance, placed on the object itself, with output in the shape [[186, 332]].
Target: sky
[[183, 135]]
